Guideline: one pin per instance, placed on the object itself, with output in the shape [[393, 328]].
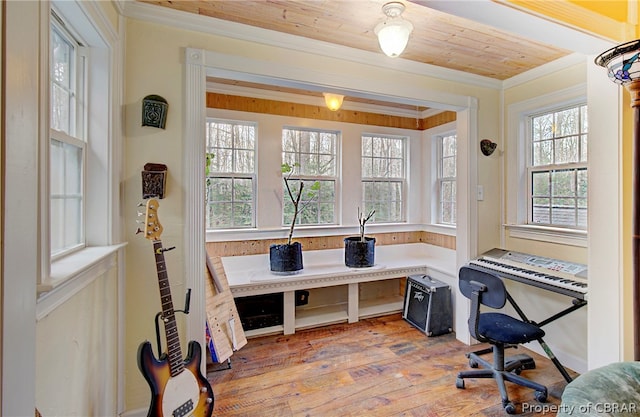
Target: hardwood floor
[[377, 367]]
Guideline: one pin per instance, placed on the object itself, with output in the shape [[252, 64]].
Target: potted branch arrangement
[[286, 258], [359, 251]]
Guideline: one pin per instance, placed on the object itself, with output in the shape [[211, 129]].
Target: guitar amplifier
[[427, 305]]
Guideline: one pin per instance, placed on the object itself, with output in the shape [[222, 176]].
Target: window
[[446, 145], [313, 154], [383, 177], [557, 169], [230, 174], [67, 153]]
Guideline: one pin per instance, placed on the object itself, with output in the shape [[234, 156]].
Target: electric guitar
[[177, 386]]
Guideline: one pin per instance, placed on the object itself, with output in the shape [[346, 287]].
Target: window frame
[[236, 175], [402, 181], [517, 181], [77, 135], [440, 178], [63, 275], [554, 167], [308, 179]]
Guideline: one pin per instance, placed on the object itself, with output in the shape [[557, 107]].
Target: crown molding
[[546, 69], [223, 28]]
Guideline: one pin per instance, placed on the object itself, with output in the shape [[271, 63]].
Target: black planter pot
[[358, 254], [285, 258]]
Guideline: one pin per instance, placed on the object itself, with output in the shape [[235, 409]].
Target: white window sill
[[72, 273], [443, 229], [558, 235]]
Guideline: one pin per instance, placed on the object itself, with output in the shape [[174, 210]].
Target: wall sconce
[[623, 68], [154, 111], [333, 101], [487, 147], [393, 33]]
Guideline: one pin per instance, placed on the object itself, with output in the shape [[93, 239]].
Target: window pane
[[230, 184], [541, 184], [582, 184], [542, 153], [563, 183], [566, 150], [543, 127], [60, 109], [449, 167], [567, 122], [541, 210], [244, 161]]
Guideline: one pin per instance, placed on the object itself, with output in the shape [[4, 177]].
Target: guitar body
[[185, 394]]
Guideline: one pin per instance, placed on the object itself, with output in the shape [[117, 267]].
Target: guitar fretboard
[[174, 351]]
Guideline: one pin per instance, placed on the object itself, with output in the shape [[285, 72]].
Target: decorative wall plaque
[[154, 180], [154, 111]]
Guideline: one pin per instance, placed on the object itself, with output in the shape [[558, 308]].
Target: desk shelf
[[380, 306], [321, 315]]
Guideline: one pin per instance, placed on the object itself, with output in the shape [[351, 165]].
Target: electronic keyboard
[[562, 277]]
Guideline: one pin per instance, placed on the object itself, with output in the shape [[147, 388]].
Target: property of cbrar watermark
[[577, 410]]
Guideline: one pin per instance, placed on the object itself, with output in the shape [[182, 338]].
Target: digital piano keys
[[562, 277]]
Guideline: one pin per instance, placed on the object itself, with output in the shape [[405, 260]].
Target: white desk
[[250, 275]]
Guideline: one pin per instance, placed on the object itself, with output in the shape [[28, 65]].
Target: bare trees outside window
[[230, 171], [384, 176], [314, 154], [558, 168]]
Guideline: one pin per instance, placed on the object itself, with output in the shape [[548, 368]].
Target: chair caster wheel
[[541, 396], [473, 363], [460, 383], [510, 408]]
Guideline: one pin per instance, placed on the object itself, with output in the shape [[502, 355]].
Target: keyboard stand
[[576, 305]]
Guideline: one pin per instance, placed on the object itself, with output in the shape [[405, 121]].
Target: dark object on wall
[[427, 305], [285, 258], [487, 147], [154, 111], [359, 254], [258, 311], [154, 180]]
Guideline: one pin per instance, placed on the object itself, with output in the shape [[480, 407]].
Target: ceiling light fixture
[[393, 33], [333, 101]]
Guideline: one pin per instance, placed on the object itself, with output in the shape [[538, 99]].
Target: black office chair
[[501, 331]]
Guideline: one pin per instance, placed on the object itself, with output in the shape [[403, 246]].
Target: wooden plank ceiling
[[438, 39]]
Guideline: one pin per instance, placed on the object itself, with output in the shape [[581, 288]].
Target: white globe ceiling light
[[393, 33]]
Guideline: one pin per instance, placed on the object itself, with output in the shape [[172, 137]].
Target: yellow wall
[[564, 333], [76, 353], [611, 19], [155, 65]]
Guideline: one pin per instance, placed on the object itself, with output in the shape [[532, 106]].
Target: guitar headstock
[[152, 227]]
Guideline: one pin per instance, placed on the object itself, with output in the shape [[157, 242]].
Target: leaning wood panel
[[224, 323]]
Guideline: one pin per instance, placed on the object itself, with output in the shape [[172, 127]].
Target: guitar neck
[[174, 351]]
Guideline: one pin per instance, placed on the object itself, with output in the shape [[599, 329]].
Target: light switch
[[480, 193]]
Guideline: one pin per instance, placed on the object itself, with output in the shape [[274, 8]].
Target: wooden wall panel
[[282, 108], [256, 247]]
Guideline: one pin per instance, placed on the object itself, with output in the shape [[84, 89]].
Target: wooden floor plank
[[378, 367]]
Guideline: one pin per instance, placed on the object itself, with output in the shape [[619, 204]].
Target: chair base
[[503, 370]]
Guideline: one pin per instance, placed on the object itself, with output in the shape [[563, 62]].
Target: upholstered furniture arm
[[612, 390]]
